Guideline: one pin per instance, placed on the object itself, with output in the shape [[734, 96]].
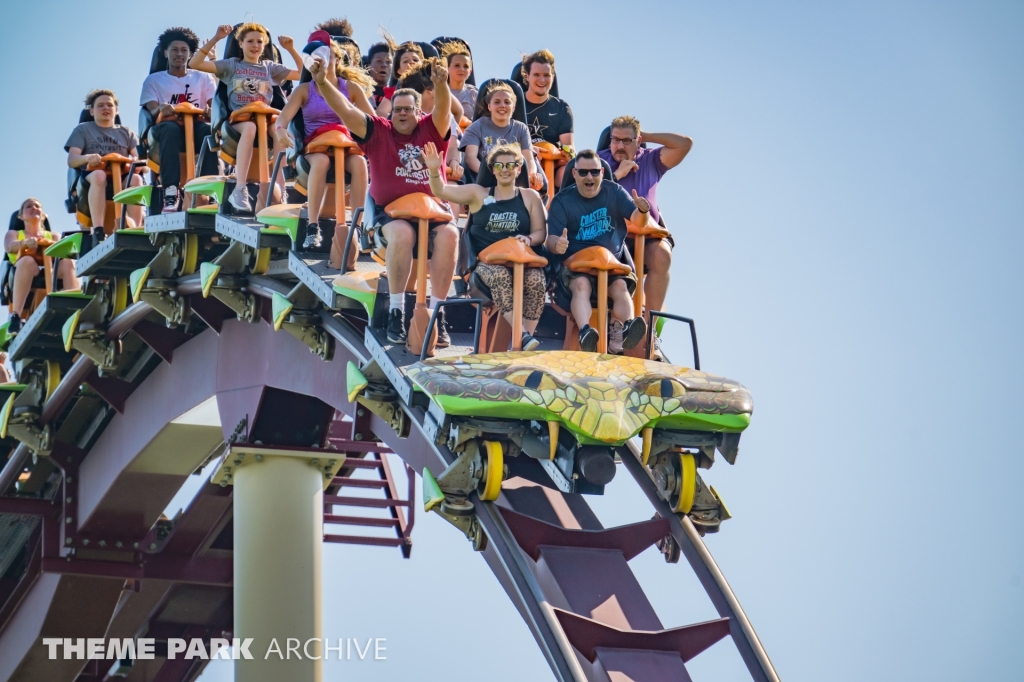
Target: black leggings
[[170, 136]]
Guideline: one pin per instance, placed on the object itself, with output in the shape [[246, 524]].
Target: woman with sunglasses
[[497, 213]]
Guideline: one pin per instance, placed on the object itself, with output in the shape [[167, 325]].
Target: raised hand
[[439, 74], [318, 70], [562, 245], [641, 204], [286, 42], [431, 157], [223, 31]]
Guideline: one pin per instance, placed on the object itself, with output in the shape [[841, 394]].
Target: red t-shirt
[[396, 160]]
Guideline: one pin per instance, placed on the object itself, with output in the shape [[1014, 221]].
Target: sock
[[398, 301]]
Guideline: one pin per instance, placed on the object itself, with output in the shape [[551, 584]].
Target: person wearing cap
[[319, 118]]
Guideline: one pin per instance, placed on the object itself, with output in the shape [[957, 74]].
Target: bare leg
[[400, 236], [66, 273], [581, 291], [318, 167], [25, 270], [97, 197], [622, 308], [528, 325], [658, 257], [243, 156], [134, 212], [442, 265], [356, 167]]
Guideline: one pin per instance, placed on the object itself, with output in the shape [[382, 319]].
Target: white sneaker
[[239, 198], [615, 338]]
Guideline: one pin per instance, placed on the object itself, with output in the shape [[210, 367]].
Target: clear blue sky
[[849, 241]]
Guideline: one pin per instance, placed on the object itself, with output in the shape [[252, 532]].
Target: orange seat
[[511, 250], [549, 152], [595, 259], [254, 109], [330, 139], [108, 159], [188, 108], [521, 256], [652, 229], [598, 261], [418, 205], [464, 123]]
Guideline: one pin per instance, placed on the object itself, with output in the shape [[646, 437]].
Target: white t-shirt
[[196, 87]]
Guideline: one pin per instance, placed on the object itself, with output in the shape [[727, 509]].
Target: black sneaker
[[443, 340], [588, 339], [170, 200], [98, 235], [313, 237], [633, 332], [14, 325], [530, 343], [396, 326]]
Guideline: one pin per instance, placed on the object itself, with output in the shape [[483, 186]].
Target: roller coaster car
[[42, 284], [573, 411], [118, 169]]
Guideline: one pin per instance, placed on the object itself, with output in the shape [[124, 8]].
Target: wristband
[[438, 176]]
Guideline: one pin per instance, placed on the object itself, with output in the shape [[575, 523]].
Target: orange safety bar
[[598, 261], [520, 256]]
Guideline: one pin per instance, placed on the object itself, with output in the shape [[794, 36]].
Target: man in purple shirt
[[640, 169]]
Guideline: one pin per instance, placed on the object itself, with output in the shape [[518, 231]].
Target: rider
[[336, 27], [639, 169], [249, 79], [460, 66], [27, 265], [407, 55], [161, 91], [89, 142], [495, 214], [495, 126], [549, 118], [394, 149], [419, 78], [380, 60], [593, 213], [319, 118]]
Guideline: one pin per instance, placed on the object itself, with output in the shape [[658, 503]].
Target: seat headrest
[[569, 180], [511, 250], [594, 259], [418, 205]]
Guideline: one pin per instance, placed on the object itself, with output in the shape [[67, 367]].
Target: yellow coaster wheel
[[190, 258], [494, 470], [686, 482], [119, 291], [51, 377]]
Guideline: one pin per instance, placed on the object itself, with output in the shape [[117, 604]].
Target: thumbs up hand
[[641, 204], [562, 245]]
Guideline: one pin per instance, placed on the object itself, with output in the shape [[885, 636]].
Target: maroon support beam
[[27, 506], [531, 534]]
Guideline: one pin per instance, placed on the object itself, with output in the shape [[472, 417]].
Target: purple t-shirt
[[644, 179]]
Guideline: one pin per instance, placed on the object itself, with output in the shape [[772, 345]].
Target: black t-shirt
[[600, 221], [548, 121], [497, 220]]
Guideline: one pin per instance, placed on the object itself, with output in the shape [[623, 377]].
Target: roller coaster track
[[87, 554]]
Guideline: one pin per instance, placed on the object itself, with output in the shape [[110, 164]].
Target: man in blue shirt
[[593, 212]]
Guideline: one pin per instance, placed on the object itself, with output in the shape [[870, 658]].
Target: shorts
[[565, 276], [380, 219]]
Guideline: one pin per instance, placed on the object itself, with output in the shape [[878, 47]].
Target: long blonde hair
[[347, 71]]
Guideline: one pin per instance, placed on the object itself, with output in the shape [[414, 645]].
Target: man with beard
[[638, 169], [593, 212], [160, 92]]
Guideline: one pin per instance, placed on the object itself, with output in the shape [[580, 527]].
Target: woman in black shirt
[[498, 213]]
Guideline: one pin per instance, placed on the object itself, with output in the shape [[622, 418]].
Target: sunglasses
[[507, 165], [404, 110], [584, 172]]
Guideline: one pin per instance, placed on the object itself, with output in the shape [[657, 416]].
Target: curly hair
[[97, 93], [624, 122], [337, 28], [181, 33]]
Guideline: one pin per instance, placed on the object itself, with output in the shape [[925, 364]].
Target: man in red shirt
[[394, 151]]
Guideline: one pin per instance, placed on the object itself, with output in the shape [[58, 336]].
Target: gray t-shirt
[[92, 139], [248, 83], [467, 97], [483, 133]]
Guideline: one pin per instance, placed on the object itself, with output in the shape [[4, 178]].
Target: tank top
[[13, 257], [497, 220], [316, 113]]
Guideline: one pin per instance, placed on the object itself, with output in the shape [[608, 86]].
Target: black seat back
[[19, 224], [440, 41], [517, 76]]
